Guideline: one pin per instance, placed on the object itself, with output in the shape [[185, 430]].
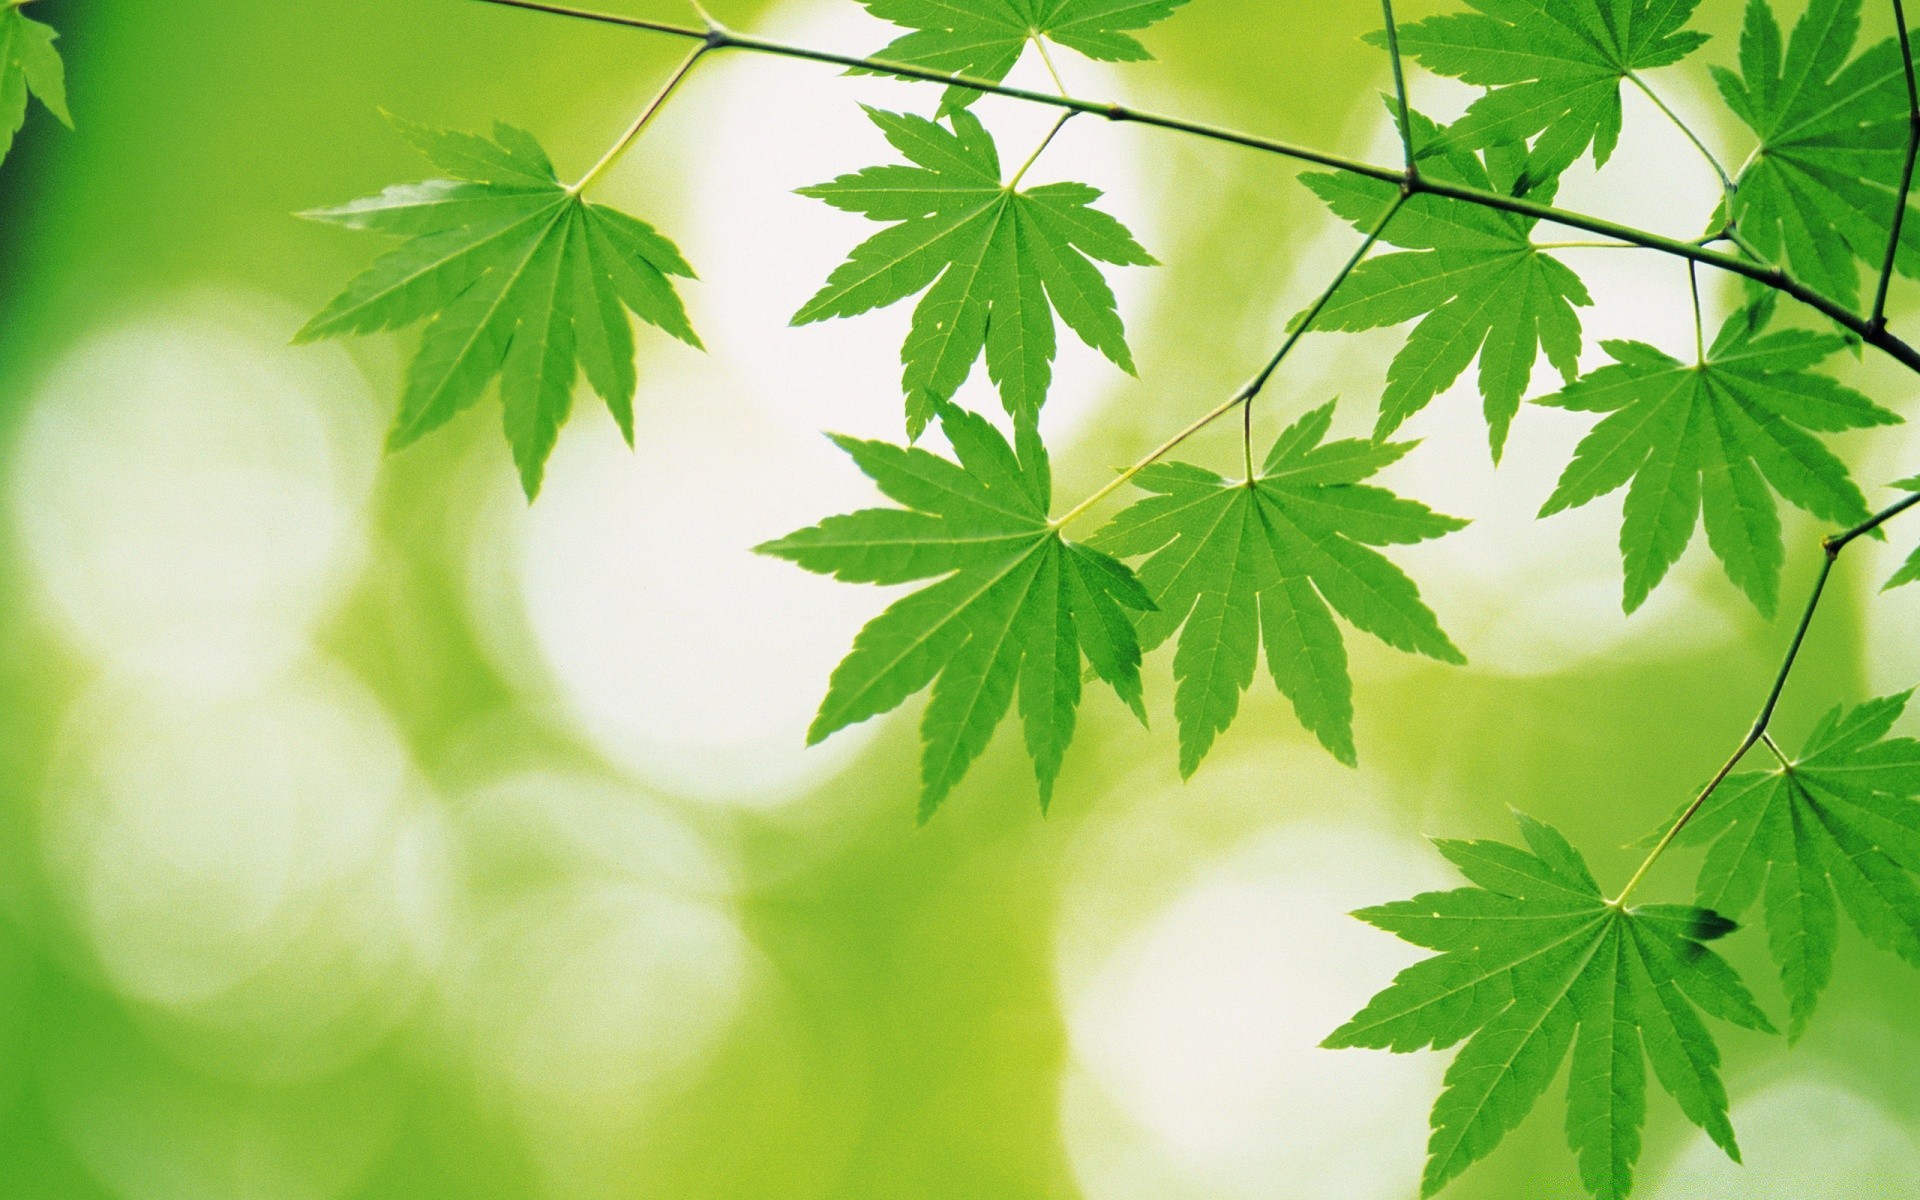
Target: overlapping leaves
[[985, 38], [996, 264], [1533, 961], [1554, 69], [1471, 276], [1842, 822], [29, 65], [1820, 192], [1713, 441], [517, 277], [1235, 563], [1015, 606]]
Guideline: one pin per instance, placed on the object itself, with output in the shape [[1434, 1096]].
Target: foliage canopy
[[518, 277]]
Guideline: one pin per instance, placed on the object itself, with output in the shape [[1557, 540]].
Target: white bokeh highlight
[[599, 967], [186, 491], [1523, 596], [763, 251], [1195, 1004], [683, 657], [1802, 1139], [628, 596], [258, 877], [1889, 653]]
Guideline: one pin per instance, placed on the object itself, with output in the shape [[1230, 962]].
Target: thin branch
[[1404, 113], [1409, 182], [1872, 329], [1161, 451], [1726, 180], [640, 122], [1879, 317], [1252, 387], [1838, 542], [1831, 546]]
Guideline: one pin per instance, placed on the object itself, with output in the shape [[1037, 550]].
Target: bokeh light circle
[[187, 487], [598, 967], [257, 875], [1202, 960], [1808, 1139], [683, 657], [1520, 595]]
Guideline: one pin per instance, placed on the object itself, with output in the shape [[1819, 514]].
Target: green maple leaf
[[516, 277], [28, 64], [1014, 605], [1820, 191], [1236, 562], [1534, 960], [1909, 570], [1841, 821], [983, 39], [996, 264], [1472, 277], [1714, 440], [1554, 68]]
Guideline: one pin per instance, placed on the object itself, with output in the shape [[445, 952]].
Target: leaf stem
[[1871, 329], [1831, 546], [1040, 44], [1699, 333], [1586, 246], [1246, 439], [1879, 317], [1786, 764], [640, 122], [1403, 112], [1040, 149], [1726, 180], [1751, 268], [1248, 390]]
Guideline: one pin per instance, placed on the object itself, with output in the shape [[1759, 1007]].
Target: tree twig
[[1831, 546], [1404, 112], [1253, 386], [1411, 182], [1879, 318]]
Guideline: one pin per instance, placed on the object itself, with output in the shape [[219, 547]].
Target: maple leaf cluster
[[517, 278]]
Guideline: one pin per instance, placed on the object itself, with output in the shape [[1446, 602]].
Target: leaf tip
[[400, 437]]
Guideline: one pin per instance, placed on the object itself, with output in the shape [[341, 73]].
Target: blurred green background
[[368, 834]]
